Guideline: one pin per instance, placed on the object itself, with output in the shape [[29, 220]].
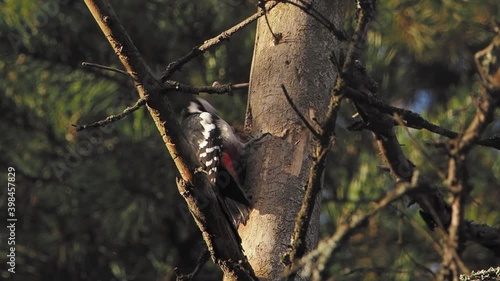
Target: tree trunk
[[297, 56]]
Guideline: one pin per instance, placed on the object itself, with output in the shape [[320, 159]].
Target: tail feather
[[229, 186], [238, 212]]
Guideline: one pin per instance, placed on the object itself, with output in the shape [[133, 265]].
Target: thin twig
[[217, 89], [423, 231], [420, 147], [276, 36], [335, 62], [420, 265], [177, 64], [205, 255], [301, 116], [315, 14], [109, 68], [112, 118]]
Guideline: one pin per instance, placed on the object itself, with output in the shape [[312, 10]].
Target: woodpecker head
[[200, 105]]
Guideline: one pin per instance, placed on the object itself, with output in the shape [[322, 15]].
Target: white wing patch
[[193, 108], [203, 144], [210, 148]]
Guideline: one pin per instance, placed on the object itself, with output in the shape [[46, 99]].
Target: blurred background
[[103, 204]]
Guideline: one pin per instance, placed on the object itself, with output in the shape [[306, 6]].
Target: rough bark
[[293, 49]]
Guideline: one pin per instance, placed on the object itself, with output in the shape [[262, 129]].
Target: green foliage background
[[102, 204]]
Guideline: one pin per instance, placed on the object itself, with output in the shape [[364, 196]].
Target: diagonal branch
[[218, 232], [315, 262], [457, 181], [322, 146], [412, 119]]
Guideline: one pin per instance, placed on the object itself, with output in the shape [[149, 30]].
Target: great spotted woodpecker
[[220, 153]]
